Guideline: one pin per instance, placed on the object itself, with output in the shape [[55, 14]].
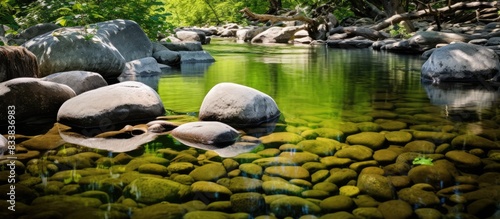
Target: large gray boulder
[[461, 62], [237, 105], [102, 47], [127, 37], [32, 99], [111, 107], [79, 81]]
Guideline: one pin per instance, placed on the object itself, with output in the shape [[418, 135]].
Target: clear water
[[322, 82]]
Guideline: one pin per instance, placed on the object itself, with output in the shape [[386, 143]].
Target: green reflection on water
[[303, 80]]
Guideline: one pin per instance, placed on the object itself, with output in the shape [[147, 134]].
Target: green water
[[303, 80]]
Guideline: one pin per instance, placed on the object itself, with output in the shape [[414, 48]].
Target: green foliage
[[422, 160], [201, 12], [149, 14], [343, 12], [399, 31], [7, 10]]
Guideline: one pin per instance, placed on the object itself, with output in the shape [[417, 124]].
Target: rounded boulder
[[461, 62], [110, 107], [237, 105]]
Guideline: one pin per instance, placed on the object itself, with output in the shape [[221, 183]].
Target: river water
[[323, 82]]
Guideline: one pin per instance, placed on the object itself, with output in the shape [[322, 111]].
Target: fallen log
[[273, 18], [366, 33], [425, 12]]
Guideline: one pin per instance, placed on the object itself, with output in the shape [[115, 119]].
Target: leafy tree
[[7, 10], [203, 12], [149, 14]]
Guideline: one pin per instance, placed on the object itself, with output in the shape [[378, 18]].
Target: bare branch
[[274, 19], [422, 13]]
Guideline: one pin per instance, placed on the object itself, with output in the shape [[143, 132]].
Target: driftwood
[[374, 32], [366, 33], [426, 12], [274, 19]]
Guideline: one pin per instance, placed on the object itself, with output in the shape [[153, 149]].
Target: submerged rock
[[151, 190], [219, 137], [206, 135], [237, 105]]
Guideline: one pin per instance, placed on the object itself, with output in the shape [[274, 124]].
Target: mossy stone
[[276, 139], [210, 190], [337, 203], [398, 137], [245, 184], [180, 167], [355, 152], [279, 187], [372, 140], [251, 170], [321, 147], [288, 172], [293, 206], [153, 168], [150, 190], [299, 158], [248, 202]]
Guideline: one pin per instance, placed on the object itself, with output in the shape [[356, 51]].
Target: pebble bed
[[395, 159]]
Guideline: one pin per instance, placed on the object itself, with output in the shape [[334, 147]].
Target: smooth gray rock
[[143, 67], [108, 108], [164, 55], [238, 106], [32, 98], [191, 35], [79, 81], [247, 34], [195, 56], [206, 135], [183, 46], [461, 62]]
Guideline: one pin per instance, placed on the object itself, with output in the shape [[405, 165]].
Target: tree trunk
[[274, 6]]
